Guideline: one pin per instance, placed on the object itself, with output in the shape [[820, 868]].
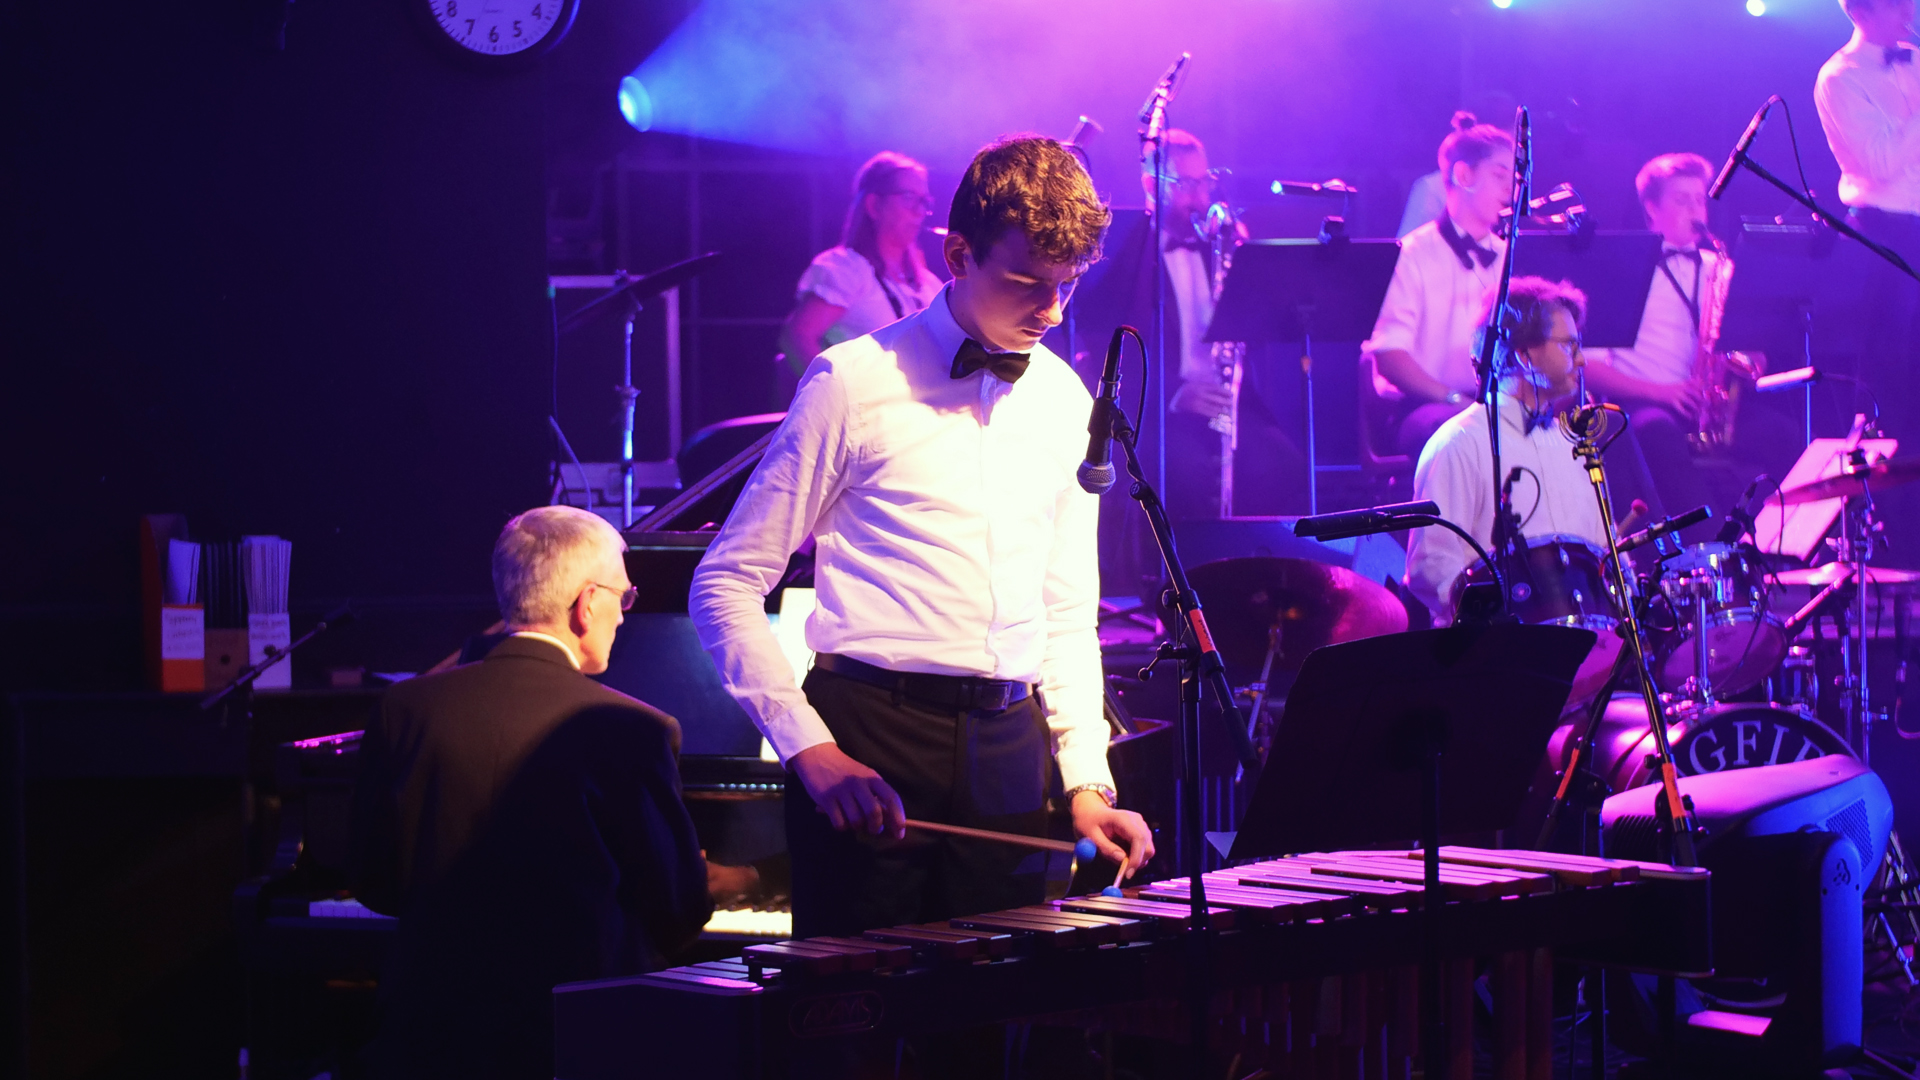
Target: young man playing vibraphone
[[933, 462]]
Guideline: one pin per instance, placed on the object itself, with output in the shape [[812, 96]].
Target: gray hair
[[543, 559]]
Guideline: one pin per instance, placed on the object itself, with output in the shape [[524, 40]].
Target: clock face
[[501, 27]]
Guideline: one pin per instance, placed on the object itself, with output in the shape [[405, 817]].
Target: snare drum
[[1561, 581], [1745, 641]]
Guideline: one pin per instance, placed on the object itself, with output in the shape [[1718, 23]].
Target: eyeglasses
[[915, 199], [627, 595], [1190, 183]]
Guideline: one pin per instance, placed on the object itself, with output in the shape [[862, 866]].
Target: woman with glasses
[[877, 274]]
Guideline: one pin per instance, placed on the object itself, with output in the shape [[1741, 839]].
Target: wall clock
[[500, 29]]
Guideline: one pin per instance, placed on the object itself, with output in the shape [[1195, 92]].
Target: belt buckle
[[992, 695]]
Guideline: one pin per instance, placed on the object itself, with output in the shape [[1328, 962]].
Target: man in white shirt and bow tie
[[1868, 94], [1656, 378], [957, 581]]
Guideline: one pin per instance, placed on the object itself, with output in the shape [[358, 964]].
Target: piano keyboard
[[341, 909], [749, 924]]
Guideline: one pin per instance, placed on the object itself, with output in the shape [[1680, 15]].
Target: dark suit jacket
[[525, 824]]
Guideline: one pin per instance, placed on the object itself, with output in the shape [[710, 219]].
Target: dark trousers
[[987, 770]]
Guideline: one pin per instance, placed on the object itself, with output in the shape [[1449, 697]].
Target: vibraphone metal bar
[[1312, 964]]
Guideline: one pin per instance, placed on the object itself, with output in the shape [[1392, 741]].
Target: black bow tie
[[1692, 255], [1464, 248], [1898, 54], [1006, 366]]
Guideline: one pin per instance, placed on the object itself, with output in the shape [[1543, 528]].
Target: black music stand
[[1467, 708], [1614, 269], [1298, 290]]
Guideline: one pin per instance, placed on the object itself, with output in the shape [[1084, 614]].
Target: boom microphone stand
[[1153, 148], [1498, 334], [1583, 427], [1193, 647]]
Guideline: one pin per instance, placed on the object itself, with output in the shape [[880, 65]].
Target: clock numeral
[[469, 27], [453, 8], [516, 28], [493, 33], [536, 11]]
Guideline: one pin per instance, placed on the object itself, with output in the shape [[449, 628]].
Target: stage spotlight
[[636, 104], [1503, 4], [1756, 8]]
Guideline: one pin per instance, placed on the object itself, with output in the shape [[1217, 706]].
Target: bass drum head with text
[[1729, 736]]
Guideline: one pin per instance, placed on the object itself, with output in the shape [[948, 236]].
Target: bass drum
[[1562, 581], [1736, 735]]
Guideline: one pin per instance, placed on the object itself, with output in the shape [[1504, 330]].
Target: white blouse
[[844, 278]]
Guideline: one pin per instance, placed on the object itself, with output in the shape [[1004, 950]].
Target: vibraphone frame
[[719, 1020]]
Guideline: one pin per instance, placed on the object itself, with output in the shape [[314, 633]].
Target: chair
[[1388, 472]]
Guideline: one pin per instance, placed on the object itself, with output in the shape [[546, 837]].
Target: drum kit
[[1722, 618]]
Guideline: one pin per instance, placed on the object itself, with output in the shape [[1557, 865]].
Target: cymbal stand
[[1584, 426], [1857, 528], [628, 396]]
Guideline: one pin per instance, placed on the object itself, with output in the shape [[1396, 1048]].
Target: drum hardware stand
[[1257, 723], [1584, 426], [1857, 530], [1896, 891], [1192, 645]]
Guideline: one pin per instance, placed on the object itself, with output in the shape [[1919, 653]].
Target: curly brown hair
[[1033, 184]]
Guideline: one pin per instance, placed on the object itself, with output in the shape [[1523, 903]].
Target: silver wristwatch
[[1102, 790]]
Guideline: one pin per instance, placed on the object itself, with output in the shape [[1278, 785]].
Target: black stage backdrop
[[292, 290]]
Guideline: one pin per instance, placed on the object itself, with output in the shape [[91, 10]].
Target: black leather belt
[[945, 691]]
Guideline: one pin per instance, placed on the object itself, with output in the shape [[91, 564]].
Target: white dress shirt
[[572, 657], [1867, 107], [844, 278], [1664, 351], [951, 536], [1191, 289], [1552, 495], [1432, 309]]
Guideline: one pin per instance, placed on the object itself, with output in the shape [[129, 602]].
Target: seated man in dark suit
[[523, 821]]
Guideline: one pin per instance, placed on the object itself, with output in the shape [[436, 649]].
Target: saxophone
[[1722, 377], [1222, 230]]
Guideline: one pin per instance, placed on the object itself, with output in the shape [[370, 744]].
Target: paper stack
[[183, 624], [264, 561]]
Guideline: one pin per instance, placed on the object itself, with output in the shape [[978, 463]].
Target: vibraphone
[[1312, 964]]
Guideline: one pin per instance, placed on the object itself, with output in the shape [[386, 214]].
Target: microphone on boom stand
[[1740, 149], [1096, 472]]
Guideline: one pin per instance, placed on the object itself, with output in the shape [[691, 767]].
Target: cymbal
[[1820, 577], [1886, 473], [1314, 604], [642, 288]]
